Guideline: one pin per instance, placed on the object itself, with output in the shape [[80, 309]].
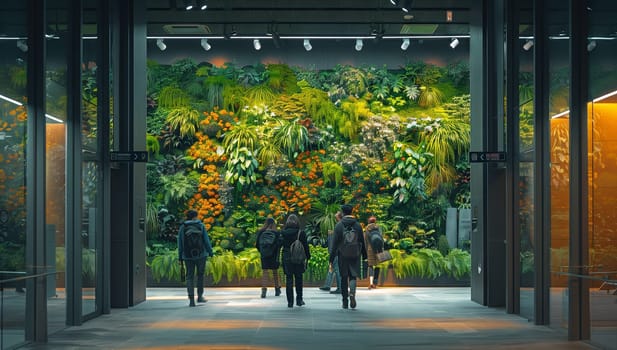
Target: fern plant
[[291, 137]]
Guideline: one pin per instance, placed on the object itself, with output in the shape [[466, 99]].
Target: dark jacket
[[207, 244], [348, 267], [271, 262], [370, 253], [289, 236]]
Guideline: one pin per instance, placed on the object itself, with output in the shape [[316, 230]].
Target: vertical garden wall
[[239, 144]]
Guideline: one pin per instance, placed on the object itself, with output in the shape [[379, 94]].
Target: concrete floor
[[237, 318]]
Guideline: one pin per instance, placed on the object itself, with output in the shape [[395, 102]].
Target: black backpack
[[376, 240], [297, 255], [351, 247], [268, 244], [193, 240]]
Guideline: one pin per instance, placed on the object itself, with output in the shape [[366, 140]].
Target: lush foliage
[[241, 144]]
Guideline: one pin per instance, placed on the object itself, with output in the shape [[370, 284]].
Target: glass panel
[[55, 162], [526, 164], [13, 132], [559, 94], [90, 162], [602, 114]]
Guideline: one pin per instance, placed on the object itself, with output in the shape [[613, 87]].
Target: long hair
[[269, 224], [292, 221]]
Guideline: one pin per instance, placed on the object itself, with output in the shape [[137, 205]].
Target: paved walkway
[[237, 318]]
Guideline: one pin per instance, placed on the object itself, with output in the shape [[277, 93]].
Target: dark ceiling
[[309, 18]]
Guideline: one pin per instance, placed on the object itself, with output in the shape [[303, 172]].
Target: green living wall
[[239, 144]]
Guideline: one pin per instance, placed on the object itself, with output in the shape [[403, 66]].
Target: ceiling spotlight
[[257, 44], [407, 6], [359, 44], [189, 4], [205, 44], [528, 45], [394, 2], [405, 44], [592, 45], [454, 43], [203, 4], [160, 44], [307, 45], [21, 44]]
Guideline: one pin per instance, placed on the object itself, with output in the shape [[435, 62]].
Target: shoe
[[326, 289], [277, 291], [352, 301], [337, 291], [263, 292], [201, 300], [290, 304], [372, 286], [345, 304], [300, 302], [191, 301]]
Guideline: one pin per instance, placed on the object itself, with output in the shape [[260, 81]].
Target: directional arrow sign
[[134, 156], [487, 157]]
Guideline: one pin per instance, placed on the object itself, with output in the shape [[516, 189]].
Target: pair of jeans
[[330, 276], [195, 266]]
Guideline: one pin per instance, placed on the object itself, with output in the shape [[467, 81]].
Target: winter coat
[[272, 262], [207, 244], [348, 267], [289, 236], [370, 253]]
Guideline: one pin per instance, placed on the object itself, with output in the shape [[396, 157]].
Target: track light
[[205, 44], [359, 44], [528, 45], [592, 45], [21, 44], [405, 44], [454, 43], [307, 45], [189, 4], [407, 6], [394, 2], [203, 4], [161, 44], [257, 44]]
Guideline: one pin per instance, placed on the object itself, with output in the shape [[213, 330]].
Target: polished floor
[[237, 318]]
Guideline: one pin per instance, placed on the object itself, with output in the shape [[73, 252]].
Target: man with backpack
[[193, 248], [348, 245]]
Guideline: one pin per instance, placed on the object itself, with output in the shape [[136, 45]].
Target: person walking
[[333, 270], [268, 243], [193, 248], [349, 247], [293, 270], [372, 234]]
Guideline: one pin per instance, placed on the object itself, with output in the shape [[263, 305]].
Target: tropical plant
[[430, 96], [332, 173], [409, 172], [291, 138], [178, 187], [152, 144], [241, 136], [173, 97], [241, 169], [184, 120], [260, 95], [281, 78]]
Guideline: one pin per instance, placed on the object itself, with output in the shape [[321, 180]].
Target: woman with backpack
[[373, 236], [295, 255], [268, 244]]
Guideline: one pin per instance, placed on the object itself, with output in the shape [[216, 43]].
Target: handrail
[[23, 278], [569, 274]]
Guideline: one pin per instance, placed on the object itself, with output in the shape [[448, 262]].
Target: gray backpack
[[296, 251]]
